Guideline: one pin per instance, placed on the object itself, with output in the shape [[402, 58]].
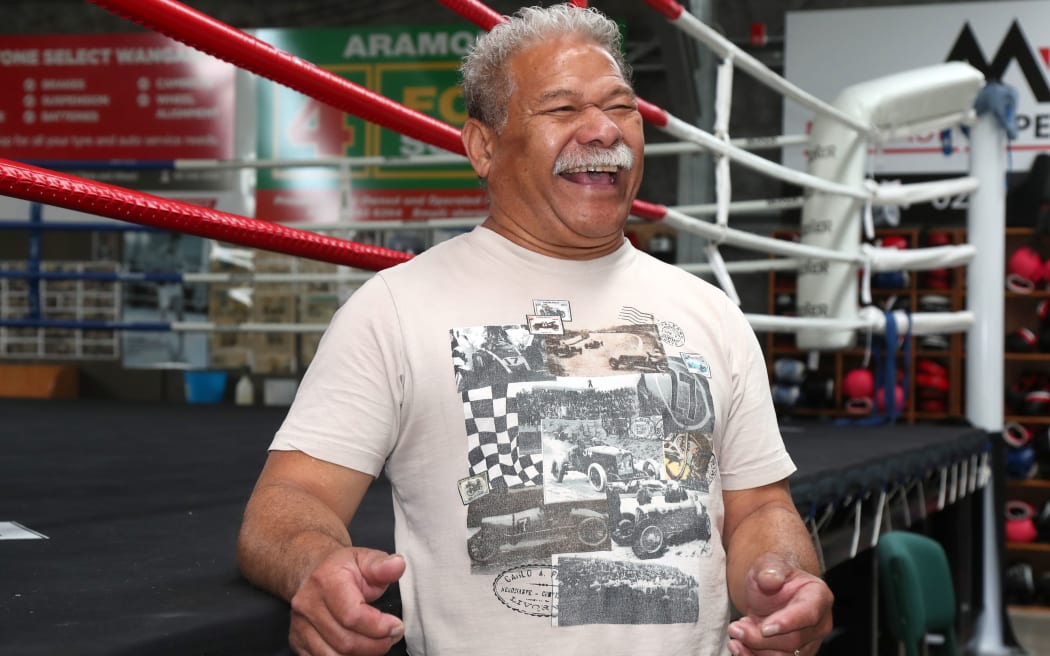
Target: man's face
[[570, 109]]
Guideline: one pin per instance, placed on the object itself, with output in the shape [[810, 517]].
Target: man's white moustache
[[619, 156]]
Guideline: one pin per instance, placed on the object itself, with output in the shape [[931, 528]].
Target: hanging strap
[[884, 356]]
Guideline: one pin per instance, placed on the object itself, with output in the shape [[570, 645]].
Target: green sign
[[413, 66]]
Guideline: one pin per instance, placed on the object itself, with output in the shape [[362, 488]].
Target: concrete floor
[[1032, 627]]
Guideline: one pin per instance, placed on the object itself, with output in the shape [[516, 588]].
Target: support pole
[[984, 347]]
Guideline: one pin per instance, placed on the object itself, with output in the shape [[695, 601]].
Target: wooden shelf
[[1027, 419], [1032, 294], [1038, 547], [1036, 483], [1027, 357]]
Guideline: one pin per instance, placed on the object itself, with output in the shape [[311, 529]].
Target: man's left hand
[[789, 611]]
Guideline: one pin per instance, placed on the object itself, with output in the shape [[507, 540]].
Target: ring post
[[986, 225]]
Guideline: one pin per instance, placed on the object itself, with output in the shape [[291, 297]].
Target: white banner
[[828, 51]]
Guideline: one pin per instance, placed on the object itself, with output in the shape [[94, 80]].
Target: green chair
[[918, 597]]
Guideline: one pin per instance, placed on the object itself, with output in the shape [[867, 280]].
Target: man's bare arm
[[759, 521], [294, 542], [773, 575], [297, 515]]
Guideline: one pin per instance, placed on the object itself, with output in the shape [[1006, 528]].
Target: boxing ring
[[141, 518], [141, 504]]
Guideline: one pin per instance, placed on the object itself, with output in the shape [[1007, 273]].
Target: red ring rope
[[669, 8], [475, 12], [34, 184]]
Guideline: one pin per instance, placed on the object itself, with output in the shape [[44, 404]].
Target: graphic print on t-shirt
[[589, 461]]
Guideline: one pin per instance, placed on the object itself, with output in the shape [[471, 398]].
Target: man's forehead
[[549, 48], [556, 59]]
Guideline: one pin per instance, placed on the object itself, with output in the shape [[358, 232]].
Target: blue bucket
[[204, 386]]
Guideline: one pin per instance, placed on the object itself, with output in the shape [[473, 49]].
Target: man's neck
[[529, 241]]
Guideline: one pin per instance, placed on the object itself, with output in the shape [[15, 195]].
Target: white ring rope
[[747, 266], [744, 206], [917, 259], [872, 191], [894, 193], [880, 259], [688, 132], [745, 143], [723, 183], [868, 318], [724, 48], [246, 327]]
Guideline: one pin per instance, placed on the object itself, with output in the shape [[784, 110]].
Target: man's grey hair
[[487, 85]]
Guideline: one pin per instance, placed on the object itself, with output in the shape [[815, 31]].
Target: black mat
[[836, 461], [141, 504]]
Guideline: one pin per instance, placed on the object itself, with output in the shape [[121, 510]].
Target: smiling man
[[580, 438], [565, 163]]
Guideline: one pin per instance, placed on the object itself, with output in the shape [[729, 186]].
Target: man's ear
[[479, 140]]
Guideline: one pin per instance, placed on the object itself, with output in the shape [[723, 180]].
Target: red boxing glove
[[859, 384], [1025, 269], [898, 398]]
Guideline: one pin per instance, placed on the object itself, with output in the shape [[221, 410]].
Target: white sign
[[828, 51], [15, 531]]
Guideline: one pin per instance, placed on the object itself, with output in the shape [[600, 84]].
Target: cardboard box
[[235, 358], [273, 361], [270, 262], [270, 307], [318, 308], [222, 341]]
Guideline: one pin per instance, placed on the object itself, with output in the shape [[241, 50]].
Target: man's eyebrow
[[558, 94], [567, 93]]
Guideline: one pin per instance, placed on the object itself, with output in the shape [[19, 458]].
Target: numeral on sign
[[322, 128]]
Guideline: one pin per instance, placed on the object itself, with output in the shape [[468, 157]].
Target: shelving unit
[[835, 365], [1020, 311], [61, 301]]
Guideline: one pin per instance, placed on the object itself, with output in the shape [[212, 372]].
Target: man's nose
[[599, 128]]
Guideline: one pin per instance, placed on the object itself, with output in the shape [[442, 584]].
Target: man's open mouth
[[591, 174]]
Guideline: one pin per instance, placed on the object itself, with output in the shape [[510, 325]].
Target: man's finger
[[370, 622], [349, 622], [312, 639], [381, 569], [771, 577], [748, 635], [803, 611]]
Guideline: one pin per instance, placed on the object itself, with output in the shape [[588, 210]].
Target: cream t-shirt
[[557, 434]]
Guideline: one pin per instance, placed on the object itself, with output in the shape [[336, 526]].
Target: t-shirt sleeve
[[346, 410], [752, 451]]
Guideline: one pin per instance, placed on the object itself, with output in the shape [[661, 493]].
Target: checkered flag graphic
[[492, 439]]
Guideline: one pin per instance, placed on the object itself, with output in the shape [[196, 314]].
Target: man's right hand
[[331, 613]]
